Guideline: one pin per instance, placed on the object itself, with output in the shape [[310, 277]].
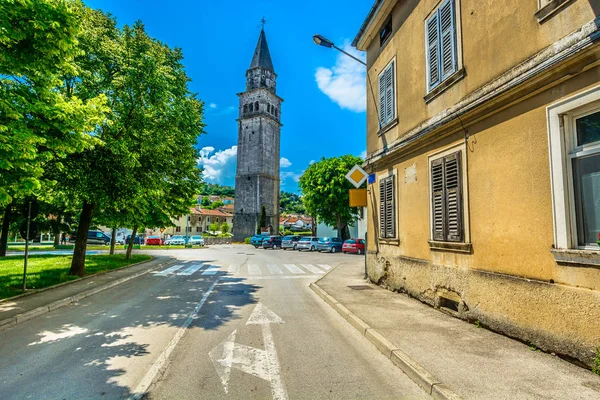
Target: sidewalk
[[448, 357], [29, 306]]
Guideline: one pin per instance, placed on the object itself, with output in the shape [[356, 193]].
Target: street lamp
[[323, 41]]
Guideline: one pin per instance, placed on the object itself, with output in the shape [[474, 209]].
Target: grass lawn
[[48, 270]]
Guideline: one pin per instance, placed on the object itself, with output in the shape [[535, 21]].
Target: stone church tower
[[257, 174]]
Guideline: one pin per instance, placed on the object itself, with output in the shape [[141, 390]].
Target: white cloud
[[344, 83], [311, 162], [284, 162], [212, 105], [363, 154], [289, 174], [220, 166]]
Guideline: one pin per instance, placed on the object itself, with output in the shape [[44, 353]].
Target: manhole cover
[[360, 287]]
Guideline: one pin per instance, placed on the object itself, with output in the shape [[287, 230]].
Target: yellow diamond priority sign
[[357, 176]]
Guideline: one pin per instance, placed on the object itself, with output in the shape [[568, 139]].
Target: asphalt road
[[229, 322]]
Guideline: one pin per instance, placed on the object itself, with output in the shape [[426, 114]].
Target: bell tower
[[258, 153]]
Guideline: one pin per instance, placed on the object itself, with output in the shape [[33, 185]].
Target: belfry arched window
[[268, 108], [245, 108], [256, 106], [250, 107]]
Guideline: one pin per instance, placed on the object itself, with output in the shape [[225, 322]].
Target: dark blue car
[[330, 244], [136, 240], [257, 240]]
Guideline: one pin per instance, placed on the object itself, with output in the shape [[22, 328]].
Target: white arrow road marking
[[263, 364], [327, 267], [312, 268], [293, 269], [191, 269], [212, 270], [169, 270], [160, 362]]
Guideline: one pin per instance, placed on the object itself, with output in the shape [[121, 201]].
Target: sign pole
[[26, 247]]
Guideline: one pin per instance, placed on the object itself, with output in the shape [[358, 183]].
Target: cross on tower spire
[[263, 21]]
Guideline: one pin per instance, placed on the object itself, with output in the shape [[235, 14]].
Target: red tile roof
[[205, 211]]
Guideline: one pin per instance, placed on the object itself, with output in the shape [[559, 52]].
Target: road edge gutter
[[26, 316], [429, 383]]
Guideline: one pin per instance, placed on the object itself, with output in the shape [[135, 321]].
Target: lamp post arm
[[350, 55]]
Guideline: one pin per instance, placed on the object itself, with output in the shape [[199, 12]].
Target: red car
[[354, 246], [154, 241]]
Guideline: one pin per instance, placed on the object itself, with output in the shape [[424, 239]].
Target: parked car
[[289, 242], [308, 243], [154, 241], [175, 240], [93, 237], [354, 246], [136, 240], [196, 240], [257, 240], [330, 244], [272, 242]]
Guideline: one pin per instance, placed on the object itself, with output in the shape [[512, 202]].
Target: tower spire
[[262, 57]]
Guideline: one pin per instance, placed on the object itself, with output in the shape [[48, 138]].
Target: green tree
[[213, 227], [262, 221], [205, 202], [224, 227], [216, 204], [40, 119], [325, 192]]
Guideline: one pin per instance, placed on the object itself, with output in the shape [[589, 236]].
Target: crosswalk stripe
[[274, 269], [169, 270], [327, 267], [212, 270], [254, 269], [191, 269], [233, 269], [312, 268], [293, 269]]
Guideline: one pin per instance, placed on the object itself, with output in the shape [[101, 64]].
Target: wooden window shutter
[[389, 93], [432, 40], [437, 199], [389, 208], [382, 105], [452, 183], [448, 42], [382, 208]]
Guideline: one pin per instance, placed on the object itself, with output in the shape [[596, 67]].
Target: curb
[[429, 383], [26, 316]]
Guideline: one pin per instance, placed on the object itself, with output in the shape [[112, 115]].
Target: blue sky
[[324, 92]]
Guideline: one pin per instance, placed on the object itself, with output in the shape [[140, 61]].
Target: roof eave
[[358, 40]]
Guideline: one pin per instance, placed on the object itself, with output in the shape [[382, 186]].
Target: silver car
[[307, 243], [196, 240]]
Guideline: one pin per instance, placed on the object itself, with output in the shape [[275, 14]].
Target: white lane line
[[160, 362], [327, 267], [191, 269], [211, 270], [285, 277], [293, 269], [312, 268], [234, 269], [274, 269], [254, 269], [169, 270]]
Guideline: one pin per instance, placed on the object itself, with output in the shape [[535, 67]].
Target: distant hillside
[[214, 189]]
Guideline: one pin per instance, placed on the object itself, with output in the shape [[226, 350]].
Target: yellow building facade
[[483, 132]]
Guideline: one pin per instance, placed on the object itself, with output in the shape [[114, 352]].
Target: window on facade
[[188, 228], [387, 101], [585, 159], [446, 198], [177, 229], [387, 226], [245, 108], [441, 50], [386, 31], [198, 229]]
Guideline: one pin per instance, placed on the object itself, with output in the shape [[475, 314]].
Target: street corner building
[[257, 171], [483, 133]]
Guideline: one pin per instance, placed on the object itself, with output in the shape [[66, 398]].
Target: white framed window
[[441, 50], [574, 141], [387, 100], [387, 206], [449, 195]]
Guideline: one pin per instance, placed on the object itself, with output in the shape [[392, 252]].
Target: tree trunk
[[85, 220], [113, 238], [4, 234], [131, 241], [57, 239], [314, 225], [340, 227], [56, 230]]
